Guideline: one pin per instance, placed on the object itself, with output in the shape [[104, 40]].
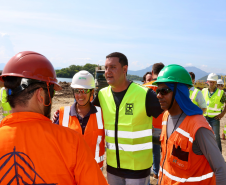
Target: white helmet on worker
[[220, 82], [83, 79], [212, 77]]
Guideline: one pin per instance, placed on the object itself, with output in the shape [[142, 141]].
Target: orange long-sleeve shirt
[[35, 151]]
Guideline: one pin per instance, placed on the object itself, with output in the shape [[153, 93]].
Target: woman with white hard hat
[[83, 116]]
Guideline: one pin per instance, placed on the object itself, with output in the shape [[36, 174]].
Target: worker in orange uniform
[[190, 154], [83, 116], [33, 150], [157, 122]]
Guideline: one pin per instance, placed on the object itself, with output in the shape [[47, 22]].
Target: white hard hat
[[212, 77], [220, 82], [83, 79]]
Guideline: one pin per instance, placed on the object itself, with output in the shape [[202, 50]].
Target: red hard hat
[[29, 64]]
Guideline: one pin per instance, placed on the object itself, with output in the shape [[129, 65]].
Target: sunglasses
[[163, 91], [83, 91]]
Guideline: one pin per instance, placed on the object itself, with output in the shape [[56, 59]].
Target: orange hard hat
[[29, 64]]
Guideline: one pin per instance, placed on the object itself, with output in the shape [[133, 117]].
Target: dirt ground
[[65, 98]]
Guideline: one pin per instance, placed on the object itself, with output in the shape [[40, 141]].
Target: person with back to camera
[[33, 150]]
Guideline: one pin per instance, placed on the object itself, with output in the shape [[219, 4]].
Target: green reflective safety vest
[[4, 104], [193, 95], [128, 129], [213, 103]]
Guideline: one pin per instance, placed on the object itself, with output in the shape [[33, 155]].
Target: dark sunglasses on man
[[163, 91]]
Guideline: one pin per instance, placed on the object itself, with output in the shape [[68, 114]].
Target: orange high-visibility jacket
[[180, 164], [94, 132], [157, 122], [33, 150]]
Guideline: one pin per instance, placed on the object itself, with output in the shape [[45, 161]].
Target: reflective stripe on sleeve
[[190, 179], [186, 134], [66, 116], [99, 118], [164, 123], [130, 148], [129, 135]]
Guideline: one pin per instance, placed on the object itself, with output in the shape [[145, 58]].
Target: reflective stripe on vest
[[66, 115], [190, 179], [130, 148], [184, 133], [193, 95], [98, 158], [131, 135]]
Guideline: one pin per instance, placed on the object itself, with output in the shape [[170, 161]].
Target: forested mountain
[[70, 71]]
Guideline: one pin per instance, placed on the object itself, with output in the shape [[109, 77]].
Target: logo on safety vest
[[19, 163], [129, 109], [174, 160]]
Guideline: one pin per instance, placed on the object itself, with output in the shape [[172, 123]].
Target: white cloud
[[188, 64], [204, 66]]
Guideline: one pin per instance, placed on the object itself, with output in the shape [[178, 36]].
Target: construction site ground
[[65, 98]]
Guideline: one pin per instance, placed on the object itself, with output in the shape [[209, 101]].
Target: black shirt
[[152, 109]]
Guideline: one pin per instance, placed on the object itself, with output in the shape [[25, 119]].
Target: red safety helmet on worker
[[39, 152], [189, 150], [83, 116]]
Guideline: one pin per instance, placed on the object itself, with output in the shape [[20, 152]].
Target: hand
[[223, 136], [55, 116], [218, 117]]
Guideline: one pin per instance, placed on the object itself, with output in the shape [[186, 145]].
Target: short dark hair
[[157, 67], [21, 98], [122, 58], [192, 75], [144, 77]]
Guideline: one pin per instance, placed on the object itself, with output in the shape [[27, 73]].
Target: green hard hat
[[174, 73]]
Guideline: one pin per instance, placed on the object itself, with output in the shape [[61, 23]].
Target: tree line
[[70, 71]]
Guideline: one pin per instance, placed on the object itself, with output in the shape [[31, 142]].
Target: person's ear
[[125, 69], [40, 95]]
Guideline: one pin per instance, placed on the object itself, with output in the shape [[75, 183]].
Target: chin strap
[[47, 83], [174, 94]]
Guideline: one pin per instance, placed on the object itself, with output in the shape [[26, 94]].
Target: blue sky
[[189, 32]]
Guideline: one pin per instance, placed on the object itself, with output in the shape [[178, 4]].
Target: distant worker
[[157, 122], [33, 150], [220, 84], [196, 95], [4, 105], [147, 77], [215, 100], [190, 154], [127, 111], [84, 117]]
